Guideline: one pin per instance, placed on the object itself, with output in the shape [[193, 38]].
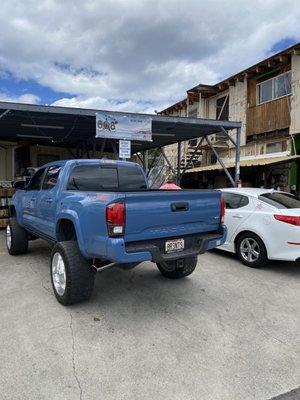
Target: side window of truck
[[51, 177], [36, 180], [93, 178]]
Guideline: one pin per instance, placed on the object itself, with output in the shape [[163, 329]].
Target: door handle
[[33, 199], [49, 200], [175, 207], [238, 216]]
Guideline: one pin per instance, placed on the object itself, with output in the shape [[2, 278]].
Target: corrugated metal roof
[[247, 163]]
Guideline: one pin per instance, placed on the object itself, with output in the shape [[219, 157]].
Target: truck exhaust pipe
[[103, 267]]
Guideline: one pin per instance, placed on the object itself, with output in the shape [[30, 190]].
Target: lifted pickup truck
[[100, 213]]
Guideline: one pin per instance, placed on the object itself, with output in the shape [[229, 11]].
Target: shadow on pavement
[[280, 267]]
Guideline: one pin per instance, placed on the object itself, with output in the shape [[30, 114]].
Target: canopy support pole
[[102, 147], [168, 161], [4, 113], [178, 178], [220, 161], [153, 161], [94, 148], [139, 157], [228, 136], [114, 147], [237, 156], [145, 160]]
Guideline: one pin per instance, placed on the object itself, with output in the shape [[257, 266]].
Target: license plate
[[172, 246]]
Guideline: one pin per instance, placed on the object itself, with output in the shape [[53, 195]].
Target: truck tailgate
[[159, 214]]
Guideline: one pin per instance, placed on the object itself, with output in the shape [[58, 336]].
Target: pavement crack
[[269, 335], [45, 287], [220, 319], [73, 358], [41, 279]]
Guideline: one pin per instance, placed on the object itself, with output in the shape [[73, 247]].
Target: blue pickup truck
[[101, 213]]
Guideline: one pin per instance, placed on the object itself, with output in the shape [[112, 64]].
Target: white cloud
[[99, 103], [134, 54], [28, 98]]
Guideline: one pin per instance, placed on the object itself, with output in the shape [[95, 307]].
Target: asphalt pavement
[[227, 332]]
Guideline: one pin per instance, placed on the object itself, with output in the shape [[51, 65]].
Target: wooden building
[[266, 99]]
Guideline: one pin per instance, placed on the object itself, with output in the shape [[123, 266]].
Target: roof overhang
[[69, 127], [247, 163]]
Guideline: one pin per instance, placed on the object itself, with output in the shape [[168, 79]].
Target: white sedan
[[262, 224]]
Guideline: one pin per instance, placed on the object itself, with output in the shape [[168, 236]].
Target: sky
[[133, 55]]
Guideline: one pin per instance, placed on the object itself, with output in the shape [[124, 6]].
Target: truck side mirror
[[19, 185]]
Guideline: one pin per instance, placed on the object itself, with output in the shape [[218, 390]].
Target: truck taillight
[[223, 208], [288, 219], [115, 219]]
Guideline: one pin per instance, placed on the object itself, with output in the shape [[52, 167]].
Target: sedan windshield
[[281, 200]]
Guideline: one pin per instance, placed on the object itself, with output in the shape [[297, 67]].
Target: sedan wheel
[[251, 250]]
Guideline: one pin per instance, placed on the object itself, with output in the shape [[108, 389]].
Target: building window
[[276, 147], [282, 85], [274, 88], [261, 149], [193, 113], [222, 108], [265, 90]]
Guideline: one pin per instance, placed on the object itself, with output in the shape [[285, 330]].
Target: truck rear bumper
[[153, 250]]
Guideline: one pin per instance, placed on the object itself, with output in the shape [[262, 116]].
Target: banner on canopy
[[111, 125]]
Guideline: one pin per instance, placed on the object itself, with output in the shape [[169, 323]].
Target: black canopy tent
[[75, 128]]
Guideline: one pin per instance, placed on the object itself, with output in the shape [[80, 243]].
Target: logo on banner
[[106, 125]]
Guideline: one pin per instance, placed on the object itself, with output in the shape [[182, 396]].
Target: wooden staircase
[[189, 154]]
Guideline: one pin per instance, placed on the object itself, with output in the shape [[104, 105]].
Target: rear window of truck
[[93, 178], [131, 178]]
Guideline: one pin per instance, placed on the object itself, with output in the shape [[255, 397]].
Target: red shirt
[[170, 186]]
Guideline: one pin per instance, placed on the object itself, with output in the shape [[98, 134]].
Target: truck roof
[[82, 161]]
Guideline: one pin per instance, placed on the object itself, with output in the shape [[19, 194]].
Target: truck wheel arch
[[65, 230], [66, 225]]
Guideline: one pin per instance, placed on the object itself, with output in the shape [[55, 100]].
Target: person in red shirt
[[170, 185]]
